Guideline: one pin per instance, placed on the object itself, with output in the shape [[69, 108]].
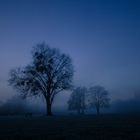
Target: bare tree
[[77, 100], [49, 73], [98, 98]]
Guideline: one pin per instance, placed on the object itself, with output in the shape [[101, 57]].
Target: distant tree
[[14, 105], [76, 101], [49, 73], [98, 98]]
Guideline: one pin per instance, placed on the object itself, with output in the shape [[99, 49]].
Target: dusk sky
[[101, 36]]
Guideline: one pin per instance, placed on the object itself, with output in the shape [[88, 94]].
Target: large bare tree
[[98, 98], [49, 73]]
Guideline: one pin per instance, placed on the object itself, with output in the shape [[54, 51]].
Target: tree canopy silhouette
[[76, 101], [98, 98], [49, 73]]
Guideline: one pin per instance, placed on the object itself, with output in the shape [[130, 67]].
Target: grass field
[[89, 127]]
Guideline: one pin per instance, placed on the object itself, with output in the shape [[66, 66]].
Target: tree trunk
[[48, 107]]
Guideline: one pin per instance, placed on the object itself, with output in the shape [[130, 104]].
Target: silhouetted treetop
[[77, 99], [98, 98]]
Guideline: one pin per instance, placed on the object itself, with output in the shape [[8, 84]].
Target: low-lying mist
[[126, 106], [17, 105]]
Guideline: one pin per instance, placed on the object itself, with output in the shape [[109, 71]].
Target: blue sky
[[101, 36]]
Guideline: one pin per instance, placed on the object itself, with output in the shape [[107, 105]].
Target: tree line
[[82, 98], [51, 72]]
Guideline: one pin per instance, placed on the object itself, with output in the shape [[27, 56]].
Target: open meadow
[[88, 127]]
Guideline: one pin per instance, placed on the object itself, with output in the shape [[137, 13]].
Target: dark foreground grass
[[107, 127]]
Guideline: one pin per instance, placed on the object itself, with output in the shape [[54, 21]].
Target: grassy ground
[[107, 127]]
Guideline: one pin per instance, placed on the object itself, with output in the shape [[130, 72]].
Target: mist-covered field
[[107, 127]]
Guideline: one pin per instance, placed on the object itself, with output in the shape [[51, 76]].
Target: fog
[[126, 106], [17, 105]]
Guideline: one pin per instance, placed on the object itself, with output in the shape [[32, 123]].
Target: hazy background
[[101, 36]]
